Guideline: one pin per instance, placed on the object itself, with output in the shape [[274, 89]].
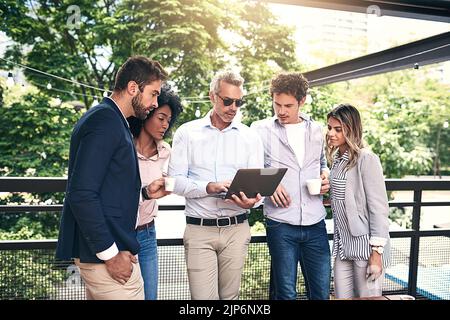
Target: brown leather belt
[[145, 226]]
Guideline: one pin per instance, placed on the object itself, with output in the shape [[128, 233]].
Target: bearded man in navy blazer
[[104, 187]]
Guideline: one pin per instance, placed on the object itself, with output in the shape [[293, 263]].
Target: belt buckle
[[227, 225]]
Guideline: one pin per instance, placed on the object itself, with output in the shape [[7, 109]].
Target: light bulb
[[197, 113], [10, 80], [446, 124], [49, 86], [105, 93], [95, 102]]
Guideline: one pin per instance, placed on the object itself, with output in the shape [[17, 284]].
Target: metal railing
[[20, 258]]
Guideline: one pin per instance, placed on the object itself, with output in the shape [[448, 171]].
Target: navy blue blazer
[[103, 187]]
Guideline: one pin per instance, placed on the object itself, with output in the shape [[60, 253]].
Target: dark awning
[[435, 10], [426, 51]]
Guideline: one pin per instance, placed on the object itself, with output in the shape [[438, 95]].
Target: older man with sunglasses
[[206, 154]]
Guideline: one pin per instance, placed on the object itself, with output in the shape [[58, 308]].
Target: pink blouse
[[151, 169]]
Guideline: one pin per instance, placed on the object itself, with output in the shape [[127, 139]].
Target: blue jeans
[[289, 245], [148, 261]]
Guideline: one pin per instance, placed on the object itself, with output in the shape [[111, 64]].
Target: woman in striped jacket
[[360, 208]]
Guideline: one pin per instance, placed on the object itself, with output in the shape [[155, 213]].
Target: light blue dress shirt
[[201, 153]]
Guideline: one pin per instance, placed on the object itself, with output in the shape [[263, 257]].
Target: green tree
[[34, 134], [403, 117], [186, 36], [34, 139], [27, 274]]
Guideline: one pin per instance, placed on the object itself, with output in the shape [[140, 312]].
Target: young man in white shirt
[[295, 222]]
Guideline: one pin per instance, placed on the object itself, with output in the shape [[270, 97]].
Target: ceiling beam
[[434, 10], [411, 55]]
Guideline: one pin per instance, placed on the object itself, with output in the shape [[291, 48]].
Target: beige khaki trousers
[[215, 258], [350, 280], [100, 285]]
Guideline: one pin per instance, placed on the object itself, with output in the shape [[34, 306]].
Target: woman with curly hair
[[153, 156]]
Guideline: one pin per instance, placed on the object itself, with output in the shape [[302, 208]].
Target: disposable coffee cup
[[169, 184], [314, 186]]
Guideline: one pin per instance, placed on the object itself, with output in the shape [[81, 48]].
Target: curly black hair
[[291, 83], [166, 97]]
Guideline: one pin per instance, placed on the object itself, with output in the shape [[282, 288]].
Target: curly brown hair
[[291, 83]]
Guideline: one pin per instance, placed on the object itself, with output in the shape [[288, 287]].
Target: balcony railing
[[420, 258]]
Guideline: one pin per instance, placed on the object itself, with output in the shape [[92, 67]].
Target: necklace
[[147, 152]]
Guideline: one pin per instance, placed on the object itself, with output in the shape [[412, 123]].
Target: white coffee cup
[[314, 186], [169, 183]]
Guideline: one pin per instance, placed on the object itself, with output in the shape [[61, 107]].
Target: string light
[[10, 80], [72, 93], [197, 112], [198, 99], [51, 75]]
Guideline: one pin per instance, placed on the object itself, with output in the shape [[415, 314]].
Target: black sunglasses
[[228, 101]]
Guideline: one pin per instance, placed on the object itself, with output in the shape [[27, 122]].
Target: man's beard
[[138, 107]]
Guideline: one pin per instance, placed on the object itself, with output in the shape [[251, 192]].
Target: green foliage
[[27, 274], [403, 114], [34, 139], [401, 217], [255, 216], [38, 225], [186, 36], [41, 28], [256, 276], [35, 135], [323, 100]]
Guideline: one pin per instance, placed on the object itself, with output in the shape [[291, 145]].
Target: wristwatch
[[378, 249], [145, 194]]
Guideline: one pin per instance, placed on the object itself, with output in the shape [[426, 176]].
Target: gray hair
[[227, 76]]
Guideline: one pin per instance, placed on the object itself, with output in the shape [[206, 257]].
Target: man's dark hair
[[291, 83], [167, 97], [141, 70]]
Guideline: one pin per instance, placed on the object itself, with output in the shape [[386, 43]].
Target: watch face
[[380, 250]]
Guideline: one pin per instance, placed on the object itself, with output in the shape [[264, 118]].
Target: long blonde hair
[[351, 124]]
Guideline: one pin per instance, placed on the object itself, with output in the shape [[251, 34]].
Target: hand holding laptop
[[242, 201], [218, 187]]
